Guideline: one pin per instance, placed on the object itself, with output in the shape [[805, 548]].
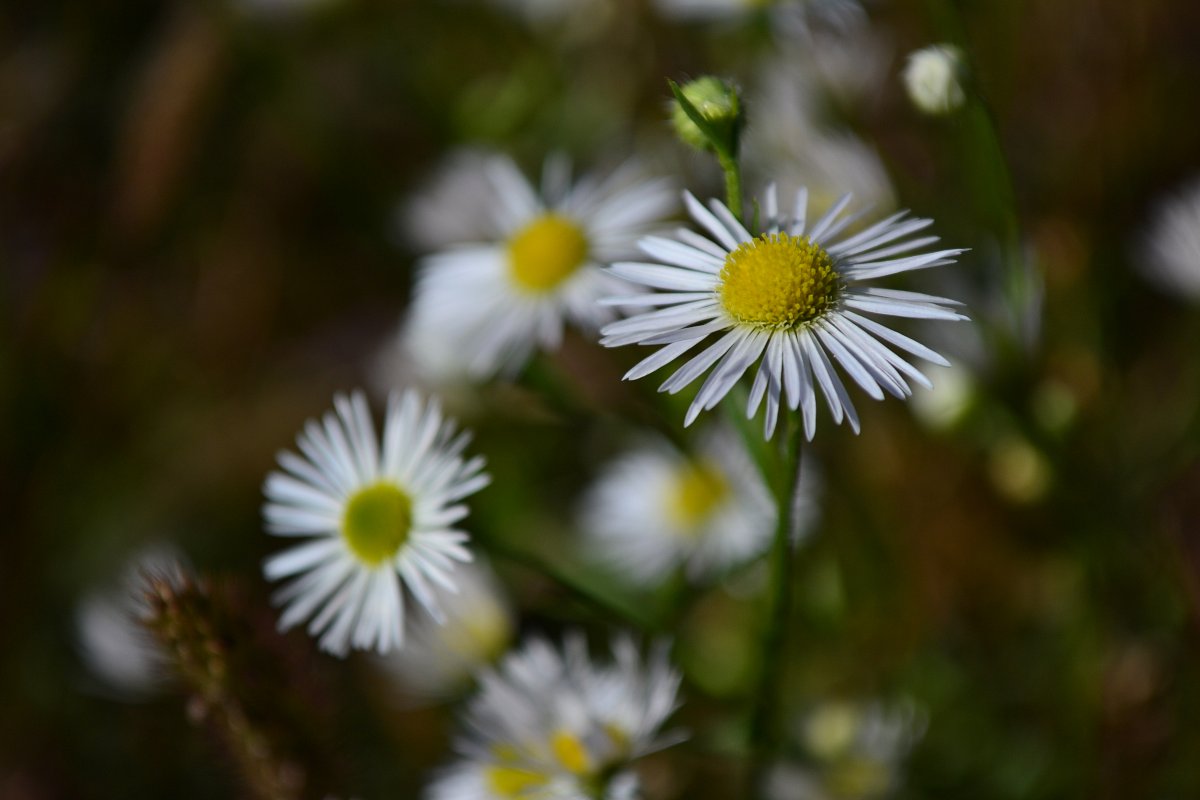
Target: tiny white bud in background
[[933, 78]]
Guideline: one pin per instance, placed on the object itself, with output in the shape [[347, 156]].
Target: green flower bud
[[719, 106]]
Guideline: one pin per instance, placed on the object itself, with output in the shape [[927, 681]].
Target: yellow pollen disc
[[570, 752], [778, 281], [546, 252], [699, 488], [513, 781], [376, 522]]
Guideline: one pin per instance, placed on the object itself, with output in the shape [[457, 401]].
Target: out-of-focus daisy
[[655, 509], [379, 517], [550, 724], [855, 751], [109, 623], [794, 295], [416, 356], [581, 18], [439, 658], [1170, 251], [933, 78], [790, 16], [796, 144], [499, 300]]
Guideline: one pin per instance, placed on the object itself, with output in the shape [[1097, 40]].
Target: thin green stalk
[[733, 183], [992, 183], [764, 723]]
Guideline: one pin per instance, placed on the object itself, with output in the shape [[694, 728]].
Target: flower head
[[550, 724], [501, 299], [378, 516], [655, 509], [439, 658], [1170, 252], [933, 78], [855, 750], [793, 296]]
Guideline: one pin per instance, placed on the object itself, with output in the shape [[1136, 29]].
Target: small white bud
[[933, 78]]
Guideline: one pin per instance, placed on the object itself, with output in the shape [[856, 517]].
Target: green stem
[[764, 724], [733, 182]]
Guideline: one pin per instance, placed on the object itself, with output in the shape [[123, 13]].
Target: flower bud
[[934, 77], [718, 104]]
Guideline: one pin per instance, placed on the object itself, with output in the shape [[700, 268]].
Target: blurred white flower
[[582, 18], [943, 405], [440, 658], [109, 625], [498, 300], [790, 17], [554, 725], [379, 518], [790, 298], [933, 77], [854, 751], [795, 145], [416, 356], [1169, 255], [654, 510]]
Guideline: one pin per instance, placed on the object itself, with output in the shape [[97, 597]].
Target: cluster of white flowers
[[509, 268], [551, 725]]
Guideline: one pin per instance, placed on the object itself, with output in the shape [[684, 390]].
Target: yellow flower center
[[778, 281], [513, 781], [570, 752], [546, 252], [699, 488], [376, 522]]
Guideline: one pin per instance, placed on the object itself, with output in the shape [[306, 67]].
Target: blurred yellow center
[[546, 252], [699, 489], [513, 781], [570, 752], [377, 522], [778, 281], [481, 635]]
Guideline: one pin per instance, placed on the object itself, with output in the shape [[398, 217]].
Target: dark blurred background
[[202, 238]]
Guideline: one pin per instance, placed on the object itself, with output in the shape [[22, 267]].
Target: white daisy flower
[[855, 751], [499, 300], [440, 658], [795, 295], [655, 509], [379, 516], [549, 724], [1170, 251]]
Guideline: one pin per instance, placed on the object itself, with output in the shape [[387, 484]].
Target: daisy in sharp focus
[[654, 510], [791, 298], [549, 724], [379, 515], [498, 301]]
